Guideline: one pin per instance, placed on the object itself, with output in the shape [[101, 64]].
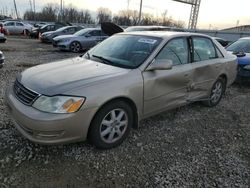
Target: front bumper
[[34, 34], [61, 45], [45, 39], [242, 72], [48, 128], [2, 39]]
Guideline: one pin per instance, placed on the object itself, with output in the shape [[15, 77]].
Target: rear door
[[207, 62], [19, 27], [71, 30], [93, 38], [165, 89]]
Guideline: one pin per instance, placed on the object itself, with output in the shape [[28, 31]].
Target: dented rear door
[[207, 63]]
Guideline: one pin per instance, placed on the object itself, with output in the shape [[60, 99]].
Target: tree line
[[51, 13]]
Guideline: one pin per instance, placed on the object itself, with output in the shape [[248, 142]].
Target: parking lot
[[193, 146]]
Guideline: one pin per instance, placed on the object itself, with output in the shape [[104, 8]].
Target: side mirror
[[239, 54], [160, 64], [88, 35]]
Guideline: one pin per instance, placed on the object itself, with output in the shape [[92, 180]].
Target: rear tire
[[75, 47], [216, 93], [111, 125]]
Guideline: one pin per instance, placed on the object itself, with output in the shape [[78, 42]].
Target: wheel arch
[[126, 100], [224, 77]]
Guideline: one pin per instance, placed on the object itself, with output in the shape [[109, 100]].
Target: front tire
[[216, 93], [111, 125], [75, 47]]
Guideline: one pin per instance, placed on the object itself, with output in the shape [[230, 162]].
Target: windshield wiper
[[107, 61], [104, 60]]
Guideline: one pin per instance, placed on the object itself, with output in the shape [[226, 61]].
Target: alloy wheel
[[216, 92], [75, 47], [113, 125]]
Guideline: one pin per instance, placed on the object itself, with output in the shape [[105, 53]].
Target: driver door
[[165, 89], [92, 38]]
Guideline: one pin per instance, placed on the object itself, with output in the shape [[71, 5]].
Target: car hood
[[110, 28], [62, 76], [244, 60], [64, 37]]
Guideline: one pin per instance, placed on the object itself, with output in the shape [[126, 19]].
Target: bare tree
[[104, 15]]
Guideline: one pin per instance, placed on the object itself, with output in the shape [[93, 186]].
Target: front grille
[[24, 94]]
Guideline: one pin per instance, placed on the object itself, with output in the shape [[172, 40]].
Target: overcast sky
[[213, 13]]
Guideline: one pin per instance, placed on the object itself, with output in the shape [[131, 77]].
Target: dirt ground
[[193, 146]]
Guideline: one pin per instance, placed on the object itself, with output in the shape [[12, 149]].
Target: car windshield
[[240, 46], [44, 26], [127, 51], [62, 28], [81, 32]]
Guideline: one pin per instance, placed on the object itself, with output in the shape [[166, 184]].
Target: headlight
[[247, 67], [59, 104], [47, 35], [65, 40]]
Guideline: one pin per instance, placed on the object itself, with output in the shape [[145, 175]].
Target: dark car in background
[[45, 28], [222, 41], [241, 48], [1, 59], [81, 40], [67, 30]]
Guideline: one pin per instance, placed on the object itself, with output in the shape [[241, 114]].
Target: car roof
[[163, 34], [245, 38]]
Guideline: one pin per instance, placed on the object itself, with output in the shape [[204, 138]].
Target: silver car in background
[[122, 80], [17, 27], [81, 40]]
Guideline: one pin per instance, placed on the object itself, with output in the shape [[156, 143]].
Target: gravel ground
[[193, 146]]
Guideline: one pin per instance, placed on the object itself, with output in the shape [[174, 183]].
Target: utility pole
[[194, 12], [31, 6], [34, 4], [128, 5], [140, 13], [61, 11], [16, 9]]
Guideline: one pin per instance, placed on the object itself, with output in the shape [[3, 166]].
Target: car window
[[175, 50], [203, 49], [50, 27], [19, 24], [71, 30], [95, 33], [10, 24], [242, 45], [103, 34]]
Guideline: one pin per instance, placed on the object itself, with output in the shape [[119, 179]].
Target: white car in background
[[17, 27]]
